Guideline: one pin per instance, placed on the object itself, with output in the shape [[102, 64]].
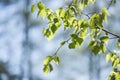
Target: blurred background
[[23, 47]]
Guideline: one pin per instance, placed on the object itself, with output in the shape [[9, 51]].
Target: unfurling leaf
[[50, 68], [109, 56], [104, 14], [63, 43], [104, 39], [71, 45], [40, 5], [46, 69], [118, 43], [32, 8], [56, 59], [47, 60]]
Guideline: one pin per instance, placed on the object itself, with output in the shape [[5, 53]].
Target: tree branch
[[117, 36], [110, 4]]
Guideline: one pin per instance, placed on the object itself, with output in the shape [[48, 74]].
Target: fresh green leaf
[[40, 5], [104, 39], [109, 56], [71, 46], [102, 47], [47, 60], [92, 44], [96, 49], [53, 28], [46, 69], [56, 59], [42, 13], [79, 41], [63, 43], [32, 8], [93, 1], [118, 43], [104, 14], [50, 67]]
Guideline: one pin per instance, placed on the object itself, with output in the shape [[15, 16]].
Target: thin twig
[[117, 36], [110, 4], [60, 47]]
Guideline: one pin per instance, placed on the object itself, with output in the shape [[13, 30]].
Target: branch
[[117, 36], [110, 4], [60, 47]]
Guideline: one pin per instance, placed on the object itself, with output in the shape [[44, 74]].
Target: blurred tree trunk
[[94, 67], [26, 63]]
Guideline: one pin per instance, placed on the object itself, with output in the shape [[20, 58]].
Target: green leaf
[[109, 56], [44, 31], [79, 41], [96, 49], [42, 13], [104, 39], [92, 44], [46, 69], [50, 17], [85, 2], [32, 8], [71, 45], [63, 43], [114, 1], [93, 1], [40, 5], [48, 11], [104, 14], [114, 63], [118, 43], [56, 59], [50, 67], [53, 28], [80, 6], [60, 12], [47, 60], [75, 1], [102, 47], [74, 36]]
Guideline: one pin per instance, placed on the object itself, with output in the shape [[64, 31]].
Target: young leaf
[[53, 28], [92, 44], [50, 67], [40, 5], [47, 60], [46, 69], [56, 59], [96, 49], [63, 43], [32, 8], [102, 47], [79, 41], [104, 39], [93, 1], [104, 14], [109, 56], [42, 13], [118, 43], [71, 45]]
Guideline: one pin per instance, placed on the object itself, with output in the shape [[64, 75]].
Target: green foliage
[[47, 63], [104, 14], [104, 39], [115, 59], [32, 8], [118, 42], [73, 18]]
